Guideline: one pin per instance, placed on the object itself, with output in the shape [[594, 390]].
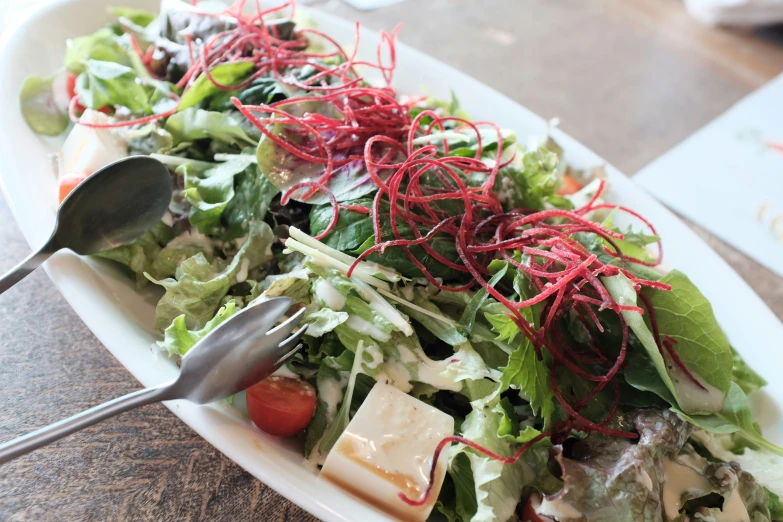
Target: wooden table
[[629, 78]]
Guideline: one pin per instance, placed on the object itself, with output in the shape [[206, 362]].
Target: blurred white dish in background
[[736, 12]]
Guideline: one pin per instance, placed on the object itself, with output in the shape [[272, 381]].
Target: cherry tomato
[[67, 183], [570, 185], [70, 84], [281, 406], [529, 513]]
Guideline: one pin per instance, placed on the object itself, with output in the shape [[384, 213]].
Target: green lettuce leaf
[[468, 146], [224, 74], [140, 254], [744, 376], [498, 486], [329, 383], [734, 417], [178, 250], [633, 243], [103, 45], [197, 124], [616, 479], [775, 506], [39, 108], [342, 418], [294, 284], [503, 326], [524, 371], [178, 340], [323, 321], [199, 289], [448, 333], [139, 17], [531, 182], [686, 316], [110, 83], [209, 192], [253, 193]]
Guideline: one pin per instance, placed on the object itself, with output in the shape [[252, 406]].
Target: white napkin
[[736, 12], [728, 176], [368, 5]]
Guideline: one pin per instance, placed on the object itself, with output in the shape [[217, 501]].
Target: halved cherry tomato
[[281, 406], [570, 185], [70, 84], [529, 513], [68, 182]]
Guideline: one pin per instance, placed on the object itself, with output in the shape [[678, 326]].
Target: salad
[[489, 339]]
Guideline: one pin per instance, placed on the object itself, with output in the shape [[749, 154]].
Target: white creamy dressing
[[428, 371], [377, 358], [374, 269], [168, 219], [240, 241], [283, 371], [690, 397], [643, 478], [407, 292], [362, 326], [328, 295], [680, 477], [734, 509], [242, 273], [766, 467], [395, 374], [331, 392], [558, 508]]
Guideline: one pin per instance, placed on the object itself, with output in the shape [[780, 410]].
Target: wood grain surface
[[629, 78]]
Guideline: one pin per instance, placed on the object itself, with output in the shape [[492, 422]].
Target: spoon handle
[[21, 270], [27, 443]]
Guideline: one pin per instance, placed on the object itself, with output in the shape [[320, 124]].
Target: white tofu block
[[387, 449], [87, 149]]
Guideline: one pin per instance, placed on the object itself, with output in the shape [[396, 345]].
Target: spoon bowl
[[111, 208], [114, 206]]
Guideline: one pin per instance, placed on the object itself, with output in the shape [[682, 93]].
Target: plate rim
[[198, 418]]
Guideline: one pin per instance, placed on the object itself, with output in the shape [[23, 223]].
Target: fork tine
[[293, 338], [281, 332], [291, 345]]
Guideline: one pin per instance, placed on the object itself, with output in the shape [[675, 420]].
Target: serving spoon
[[236, 355], [111, 208]]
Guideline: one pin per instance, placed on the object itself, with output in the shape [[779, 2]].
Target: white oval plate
[[121, 318]]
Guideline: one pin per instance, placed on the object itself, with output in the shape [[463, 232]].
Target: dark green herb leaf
[[196, 124], [224, 74], [469, 315], [109, 83]]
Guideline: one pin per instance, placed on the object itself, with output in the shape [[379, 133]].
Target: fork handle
[[27, 443]]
